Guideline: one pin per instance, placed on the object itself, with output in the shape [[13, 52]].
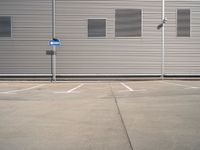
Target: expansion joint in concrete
[[121, 118]]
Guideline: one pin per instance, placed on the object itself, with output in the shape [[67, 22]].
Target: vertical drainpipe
[[163, 41], [53, 36]]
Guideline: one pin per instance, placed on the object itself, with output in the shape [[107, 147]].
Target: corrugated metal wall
[[24, 53], [182, 53], [110, 55]]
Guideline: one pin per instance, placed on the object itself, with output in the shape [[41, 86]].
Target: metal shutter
[[183, 22], [128, 22], [96, 27], [5, 26]]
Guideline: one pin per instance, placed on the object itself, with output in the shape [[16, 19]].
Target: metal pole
[[53, 36], [163, 42]]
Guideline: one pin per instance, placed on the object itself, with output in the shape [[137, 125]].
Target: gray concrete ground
[[139, 115]]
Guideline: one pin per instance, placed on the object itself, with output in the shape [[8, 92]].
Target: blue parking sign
[[54, 42]]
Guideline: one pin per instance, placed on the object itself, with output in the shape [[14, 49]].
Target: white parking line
[[130, 89], [71, 90], [126, 86], [185, 86], [22, 90]]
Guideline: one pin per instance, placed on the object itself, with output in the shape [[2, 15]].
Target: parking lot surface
[[129, 115]]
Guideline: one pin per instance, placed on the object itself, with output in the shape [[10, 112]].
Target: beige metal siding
[[110, 55], [182, 53], [24, 53]]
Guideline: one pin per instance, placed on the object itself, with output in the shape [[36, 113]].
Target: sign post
[[54, 43], [53, 37]]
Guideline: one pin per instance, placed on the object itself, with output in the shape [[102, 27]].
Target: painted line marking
[[186, 86], [130, 89], [71, 90], [126, 86], [22, 90]]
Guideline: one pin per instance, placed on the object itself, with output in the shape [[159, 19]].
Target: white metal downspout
[[53, 36], [163, 41]]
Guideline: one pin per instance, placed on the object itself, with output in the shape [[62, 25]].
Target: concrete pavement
[[139, 115]]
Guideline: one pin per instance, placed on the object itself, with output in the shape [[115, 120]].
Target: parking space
[[139, 115], [13, 88]]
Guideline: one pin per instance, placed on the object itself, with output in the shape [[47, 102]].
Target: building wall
[[24, 53], [110, 55], [182, 53]]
